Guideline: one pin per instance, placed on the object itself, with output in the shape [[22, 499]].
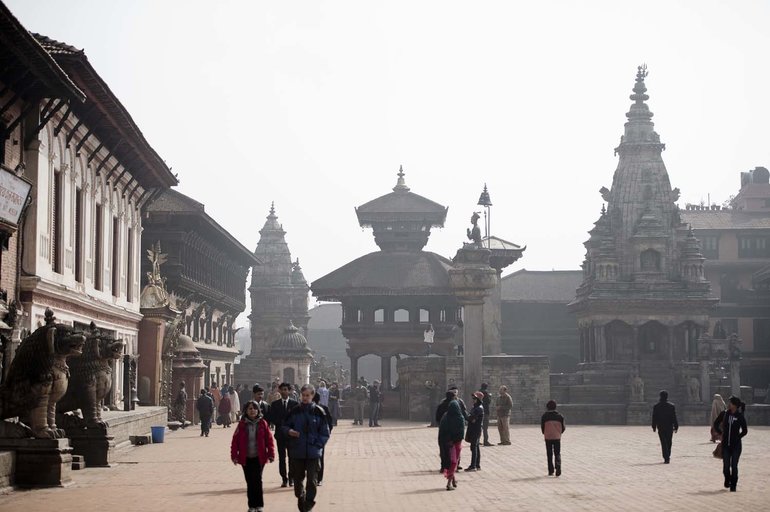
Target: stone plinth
[[528, 381], [694, 414], [638, 413], [124, 424], [97, 446], [7, 469], [40, 462]]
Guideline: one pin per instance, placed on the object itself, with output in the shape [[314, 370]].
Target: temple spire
[[639, 110], [401, 184]]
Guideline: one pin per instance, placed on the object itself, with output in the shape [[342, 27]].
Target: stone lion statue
[[38, 378], [91, 379]]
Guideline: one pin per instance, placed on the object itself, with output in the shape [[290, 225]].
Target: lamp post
[[486, 202]]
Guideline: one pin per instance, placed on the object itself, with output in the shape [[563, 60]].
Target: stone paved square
[[395, 468]]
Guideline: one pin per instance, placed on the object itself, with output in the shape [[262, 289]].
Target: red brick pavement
[[395, 468]]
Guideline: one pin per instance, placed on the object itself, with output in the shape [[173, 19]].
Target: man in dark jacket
[[486, 403], [664, 421], [205, 406], [375, 397], [258, 393], [308, 431], [279, 409]]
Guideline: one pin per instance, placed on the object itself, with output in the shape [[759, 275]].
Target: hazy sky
[[315, 105]]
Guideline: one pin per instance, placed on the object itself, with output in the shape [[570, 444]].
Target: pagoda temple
[[391, 296], [644, 300], [279, 297]]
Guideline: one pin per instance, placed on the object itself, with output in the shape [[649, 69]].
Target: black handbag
[[717, 453]]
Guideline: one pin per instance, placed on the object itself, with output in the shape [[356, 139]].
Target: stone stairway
[[658, 375]]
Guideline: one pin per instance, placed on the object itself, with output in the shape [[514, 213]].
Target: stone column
[[471, 279], [385, 373], [671, 341], [152, 332], [353, 370], [493, 343], [735, 377]]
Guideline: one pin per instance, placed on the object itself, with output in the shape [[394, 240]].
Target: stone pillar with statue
[[158, 334], [471, 279]]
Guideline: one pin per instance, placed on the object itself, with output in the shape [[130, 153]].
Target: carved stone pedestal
[[639, 413], [97, 446], [694, 414], [40, 462]]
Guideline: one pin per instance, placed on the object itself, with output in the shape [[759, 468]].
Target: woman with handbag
[[731, 424], [473, 434], [450, 435]]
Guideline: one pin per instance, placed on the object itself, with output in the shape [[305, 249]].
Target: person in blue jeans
[[307, 430], [731, 424]]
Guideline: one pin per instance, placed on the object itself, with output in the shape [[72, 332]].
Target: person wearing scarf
[[252, 447]]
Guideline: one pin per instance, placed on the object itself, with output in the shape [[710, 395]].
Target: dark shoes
[[284, 484], [558, 472], [487, 444], [550, 473], [504, 444], [667, 461], [732, 488], [301, 503], [727, 484]]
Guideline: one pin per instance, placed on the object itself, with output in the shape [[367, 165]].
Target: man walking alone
[[552, 426], [664, 421]]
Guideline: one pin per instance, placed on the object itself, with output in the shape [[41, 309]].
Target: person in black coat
[[664, 421], [486, 402], [442, 408], [278, 411], [473, 432], [731, 424], [205, 406]]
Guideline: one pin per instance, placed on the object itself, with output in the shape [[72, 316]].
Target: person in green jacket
[[451, 431]]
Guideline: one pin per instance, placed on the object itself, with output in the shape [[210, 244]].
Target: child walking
[[252, 447], [552, 426]]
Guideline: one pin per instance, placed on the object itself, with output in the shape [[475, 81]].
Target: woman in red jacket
[[252, 447]]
